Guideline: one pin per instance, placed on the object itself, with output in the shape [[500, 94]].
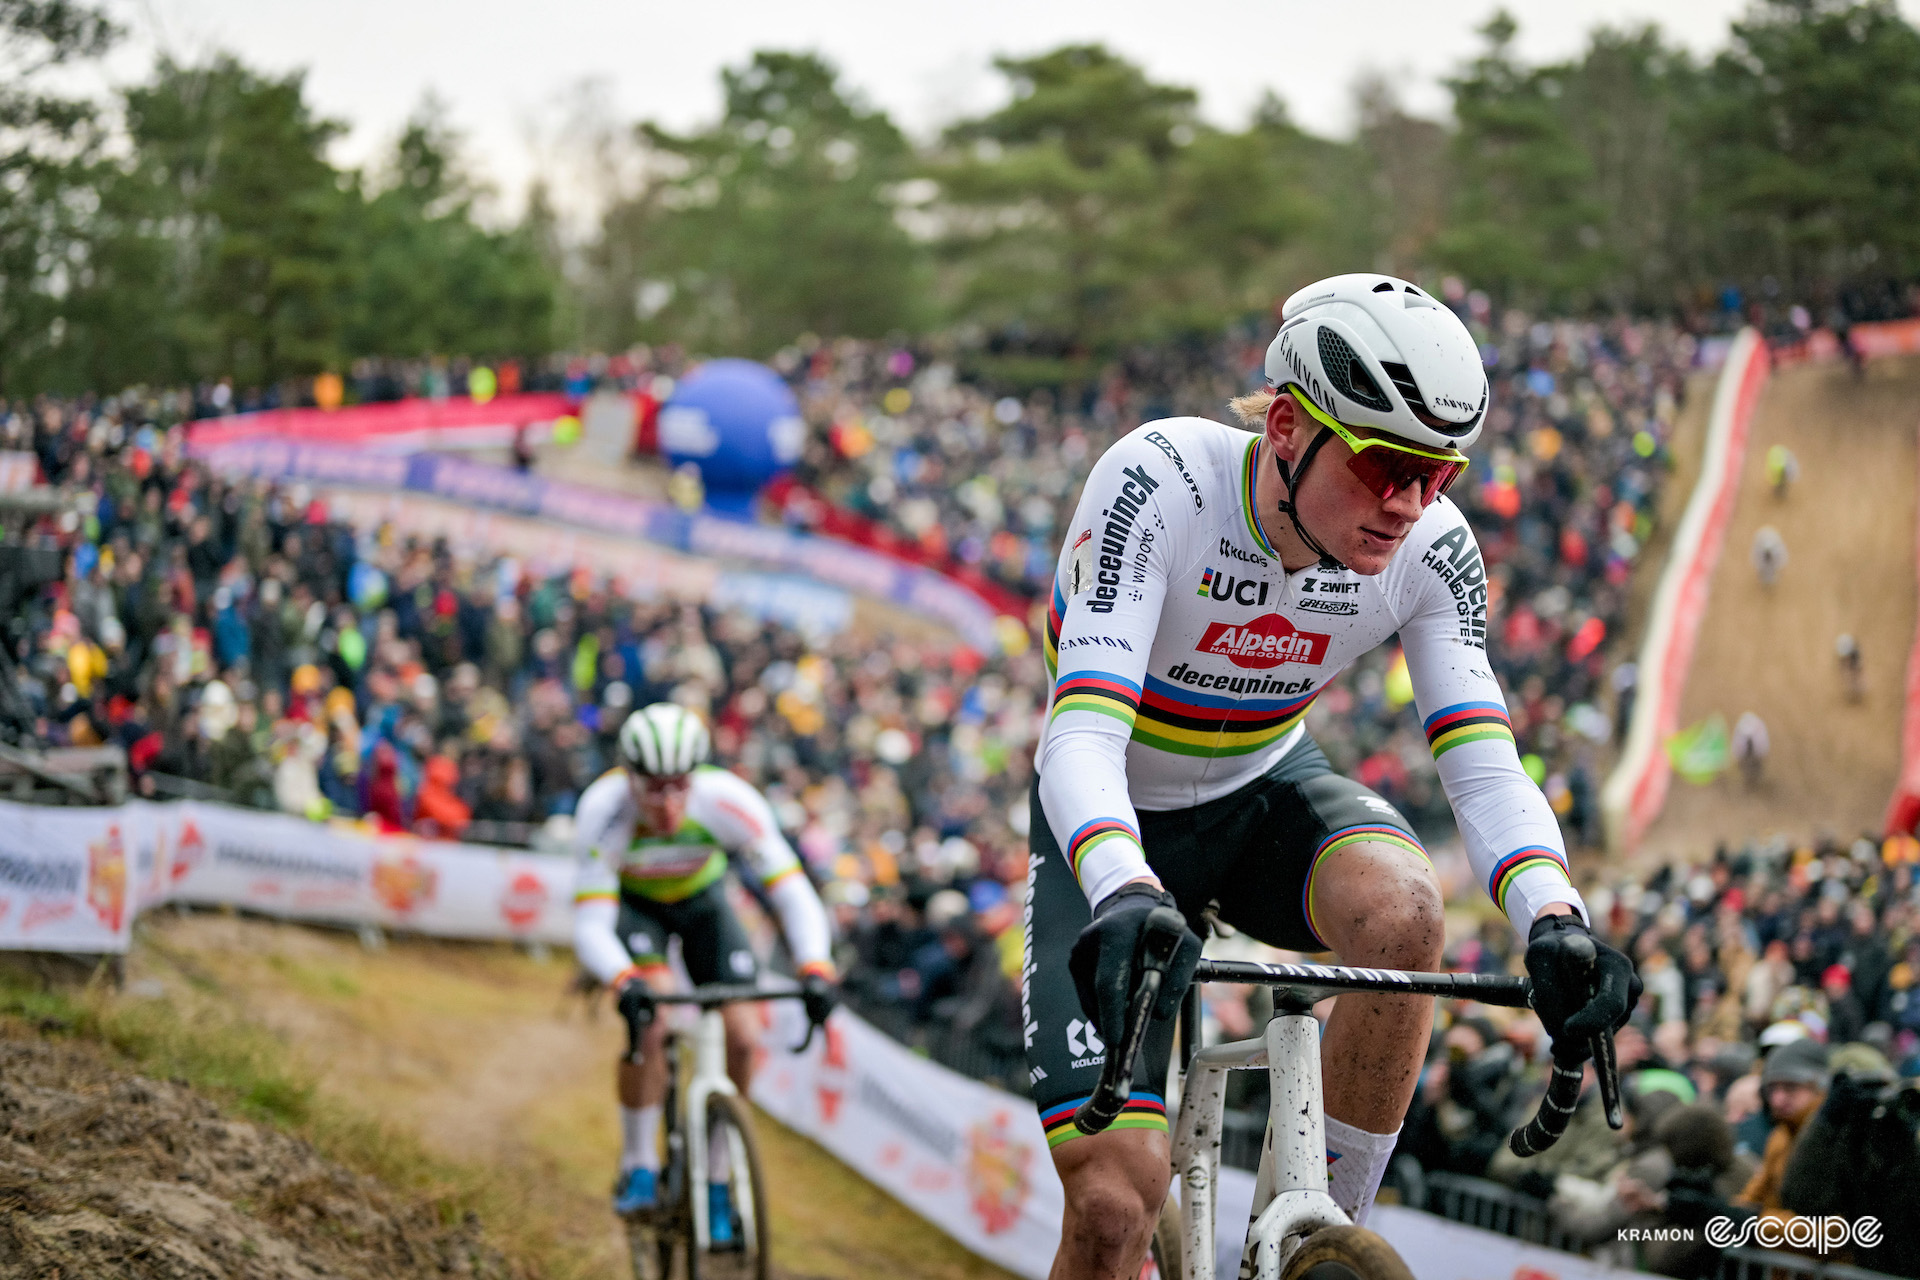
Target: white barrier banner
[[72, 879], [65, 878], [281, 865], [967, 1157]]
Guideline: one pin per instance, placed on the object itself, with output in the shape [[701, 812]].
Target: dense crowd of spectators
[[1561, 494], [1782, 1006], [232, 637], [242, 645], [239, 642]]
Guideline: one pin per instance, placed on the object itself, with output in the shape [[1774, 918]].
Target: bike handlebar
[[711, 995], [1156, 949]]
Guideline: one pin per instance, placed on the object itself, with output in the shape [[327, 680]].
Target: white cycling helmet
[[664, 739], [1375, 351]]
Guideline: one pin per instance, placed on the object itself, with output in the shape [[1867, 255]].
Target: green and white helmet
[[664, 739]]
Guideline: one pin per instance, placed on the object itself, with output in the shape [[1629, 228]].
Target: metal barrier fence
[[1767, 1264], [1493, 1207]]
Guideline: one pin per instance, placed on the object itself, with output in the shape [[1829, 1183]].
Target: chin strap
[[1291, 479]]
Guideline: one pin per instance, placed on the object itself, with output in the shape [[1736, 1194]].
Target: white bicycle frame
[[703, 1062], [1290, 1192]]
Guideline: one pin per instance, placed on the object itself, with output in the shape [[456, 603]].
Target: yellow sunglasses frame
[[1359, 444]]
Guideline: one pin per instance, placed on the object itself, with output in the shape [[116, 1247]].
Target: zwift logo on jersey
[[1267, 641], [1221, 586]]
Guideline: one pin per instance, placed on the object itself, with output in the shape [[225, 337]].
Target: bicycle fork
[[707, 1077], [1290, 1192]]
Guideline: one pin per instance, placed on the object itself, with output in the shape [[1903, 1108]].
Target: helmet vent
[[1347, 374], [1385, 286], [1410, 392]]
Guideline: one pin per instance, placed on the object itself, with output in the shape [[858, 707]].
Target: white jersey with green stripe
[[724, 815], [1184, 658]]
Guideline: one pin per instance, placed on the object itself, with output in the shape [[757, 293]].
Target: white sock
[[640, 1138], [1356, 1161], [719, 1155]]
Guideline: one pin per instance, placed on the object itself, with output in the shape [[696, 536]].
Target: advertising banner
[[967, 1157], [73, 879], [286, 866], [1637, 788], [67, 878], [397, 426], [488, 488]]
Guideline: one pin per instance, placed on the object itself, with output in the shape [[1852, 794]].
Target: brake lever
[[807, 1043], [1606, 1072]]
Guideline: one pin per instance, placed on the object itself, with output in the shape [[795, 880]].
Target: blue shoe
[[719, 1215], [633, 1191]]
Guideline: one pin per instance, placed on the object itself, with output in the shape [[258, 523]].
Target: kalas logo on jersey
[[1267, 641]]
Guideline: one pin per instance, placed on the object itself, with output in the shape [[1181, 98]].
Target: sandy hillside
[[481, 1053], [1848, 525]]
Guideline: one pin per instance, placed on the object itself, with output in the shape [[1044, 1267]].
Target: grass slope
[[464, 1074]]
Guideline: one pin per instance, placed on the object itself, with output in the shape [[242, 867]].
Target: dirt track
[[1848, 525], [479, 1052], [104, 1173]]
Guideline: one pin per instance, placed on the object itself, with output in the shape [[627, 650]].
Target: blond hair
[[1251, 408]]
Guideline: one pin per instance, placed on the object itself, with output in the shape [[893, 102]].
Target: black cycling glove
[[1577, 999], [1102, 959], [818, 998], [634, 999]]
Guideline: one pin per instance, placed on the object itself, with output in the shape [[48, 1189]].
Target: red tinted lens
[[1386, 472]]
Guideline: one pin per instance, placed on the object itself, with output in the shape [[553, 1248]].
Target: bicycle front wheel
[[744, 1257], [650, 1248], [1164, 1260], [1345, 1253]]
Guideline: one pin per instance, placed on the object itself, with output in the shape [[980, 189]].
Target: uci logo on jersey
[[1233, 590]]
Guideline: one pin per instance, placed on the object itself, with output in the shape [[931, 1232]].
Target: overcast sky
[[508, 68]]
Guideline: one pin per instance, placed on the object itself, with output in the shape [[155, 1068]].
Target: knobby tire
[[1345, 1253], [748, 1259], [1163, 1251]]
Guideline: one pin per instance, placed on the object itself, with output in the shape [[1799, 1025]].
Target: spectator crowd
[[1761, 1069], [1561, 494], [239, 642]]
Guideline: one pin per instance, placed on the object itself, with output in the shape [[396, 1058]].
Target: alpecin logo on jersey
[[1233, 590], [1456, 559], [1267, 641]]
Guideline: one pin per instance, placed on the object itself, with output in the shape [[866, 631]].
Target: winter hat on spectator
[[1697, 1136], [1730, 1062], [1783, 1032], [1802, 1062], [1654, 1080], [945, 907], [1862, 1062]]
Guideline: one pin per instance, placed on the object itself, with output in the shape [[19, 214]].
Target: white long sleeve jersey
[[724, 815], [1184, 658]]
